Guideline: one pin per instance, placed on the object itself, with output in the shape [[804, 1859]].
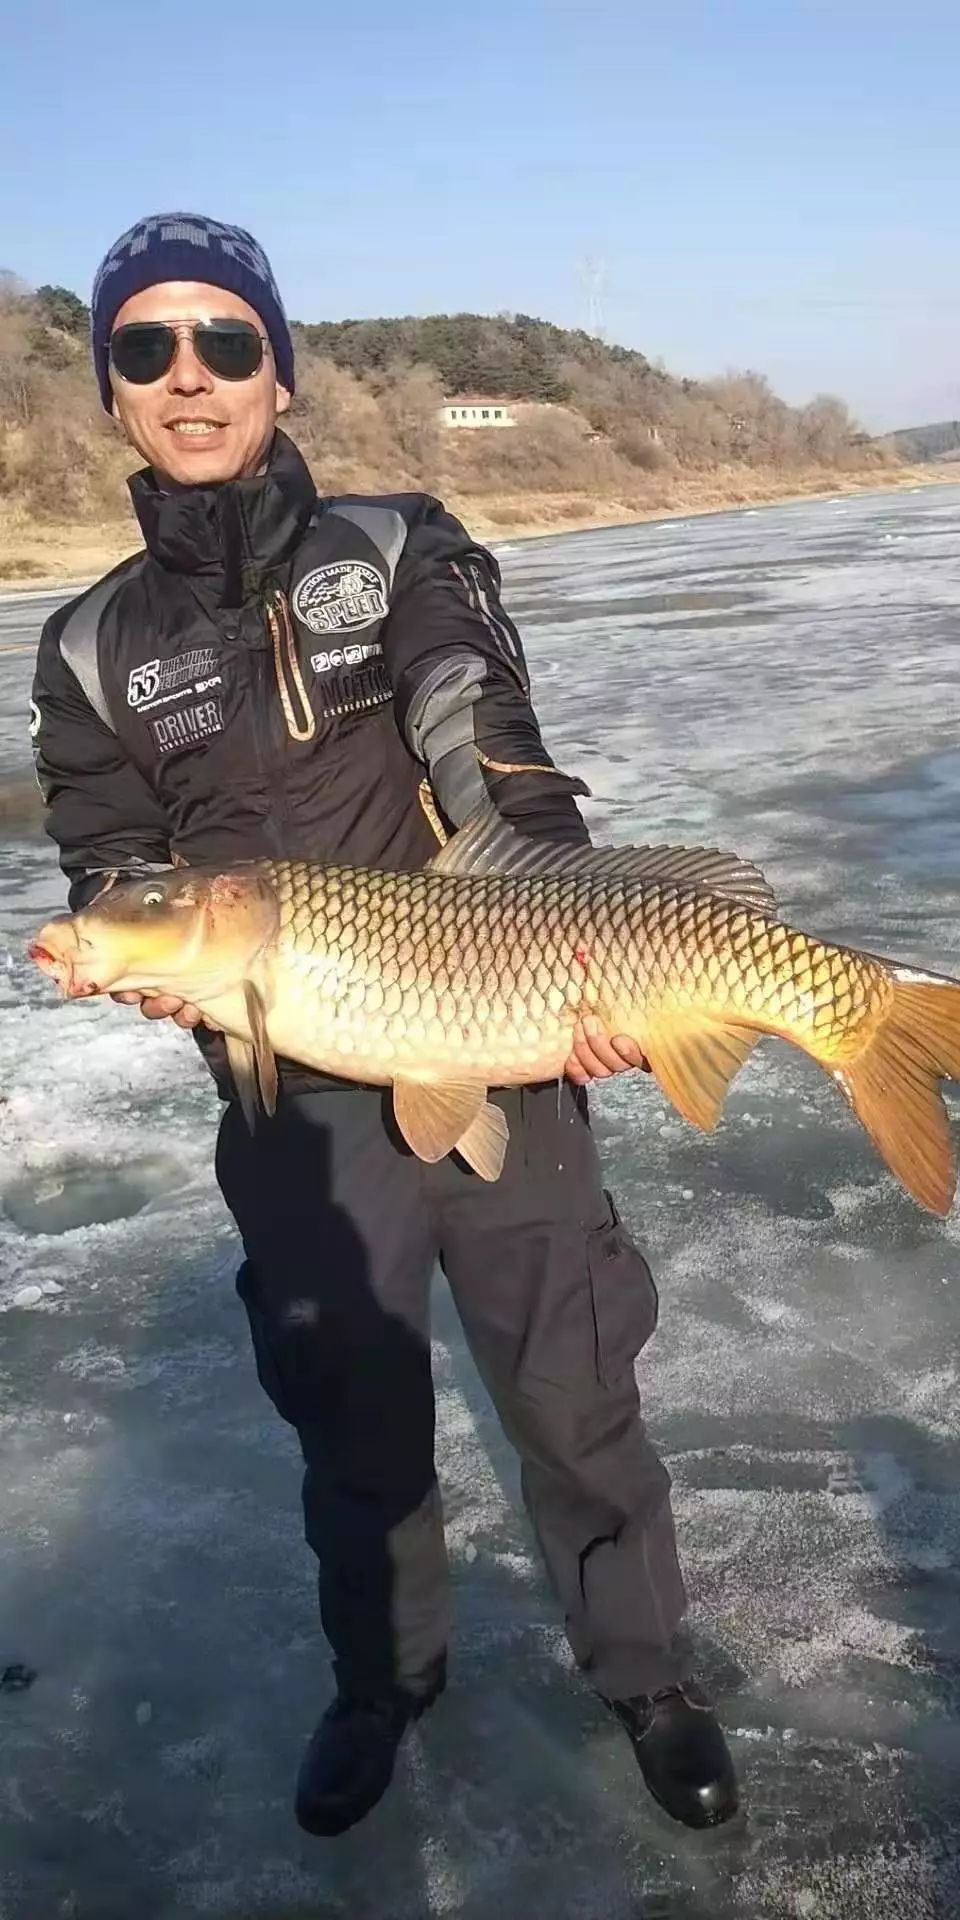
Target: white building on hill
[[472, 410]]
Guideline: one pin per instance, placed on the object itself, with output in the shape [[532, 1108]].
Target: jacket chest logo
[[353, 656], [189, 726], [156, 682], [341, 597]]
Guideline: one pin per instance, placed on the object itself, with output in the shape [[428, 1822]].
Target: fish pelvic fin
[[434, 1115], [893, 1086], [437, 1117], [487, 843], [484, 1145], [694, 1059]]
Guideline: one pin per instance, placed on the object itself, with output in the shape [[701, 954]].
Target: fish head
[[189, 932]]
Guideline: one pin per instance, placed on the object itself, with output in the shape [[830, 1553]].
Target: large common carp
[[474, 971]]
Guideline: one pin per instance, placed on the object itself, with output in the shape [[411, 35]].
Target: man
[[278, 674]]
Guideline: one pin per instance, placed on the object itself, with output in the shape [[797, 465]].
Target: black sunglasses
[[144, 349]]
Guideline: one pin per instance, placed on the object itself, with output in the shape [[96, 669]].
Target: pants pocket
[[626, 1304]]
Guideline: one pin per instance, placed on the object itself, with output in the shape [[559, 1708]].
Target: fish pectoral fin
[[487, 843], [262, 1050], [243, 1067], [253, 1062], [434, 1115], [694, 1059], [484, 1145]]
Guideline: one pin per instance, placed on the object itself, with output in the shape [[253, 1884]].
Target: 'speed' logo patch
[[341, 597], [188, 726]]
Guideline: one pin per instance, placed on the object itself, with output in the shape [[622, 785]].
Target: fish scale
[[418, 962]]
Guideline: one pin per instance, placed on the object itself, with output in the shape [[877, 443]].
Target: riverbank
[[43, 554], [683, 496]]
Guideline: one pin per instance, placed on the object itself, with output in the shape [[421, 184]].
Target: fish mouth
[[68, 960]]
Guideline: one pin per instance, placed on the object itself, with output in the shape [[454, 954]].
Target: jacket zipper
[[269, 761], [271, 690]]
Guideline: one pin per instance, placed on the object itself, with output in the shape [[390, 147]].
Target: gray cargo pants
[[342, 1228]]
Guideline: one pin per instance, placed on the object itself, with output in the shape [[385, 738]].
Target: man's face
[[191, 426]]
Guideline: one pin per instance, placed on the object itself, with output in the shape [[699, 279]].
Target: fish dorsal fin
[[487, 843]]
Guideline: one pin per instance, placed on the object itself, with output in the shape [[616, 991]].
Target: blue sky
[[768, 184]]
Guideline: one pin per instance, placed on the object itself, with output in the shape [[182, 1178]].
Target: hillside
[[938, 442], [602, 434]]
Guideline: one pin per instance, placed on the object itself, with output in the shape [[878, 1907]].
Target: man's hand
[[594, 1057], [166, 1006]]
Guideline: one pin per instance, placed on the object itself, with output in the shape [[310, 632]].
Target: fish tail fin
[[894, 1086]]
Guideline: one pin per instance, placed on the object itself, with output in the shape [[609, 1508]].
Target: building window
[[486, 413]]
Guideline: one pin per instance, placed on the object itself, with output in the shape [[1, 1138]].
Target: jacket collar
[[234, 534]]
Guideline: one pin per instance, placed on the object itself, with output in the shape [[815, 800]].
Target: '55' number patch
[[157, 681]]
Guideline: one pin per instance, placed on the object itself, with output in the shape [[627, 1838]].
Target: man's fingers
[[188, 1016], [595, 1057], [628, 1053], [575, 1072], [586, 1062], [160, 1006], [165, 1006]]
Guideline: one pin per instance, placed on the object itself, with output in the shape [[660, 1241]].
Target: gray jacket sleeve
[[99, 809], [463, 694]]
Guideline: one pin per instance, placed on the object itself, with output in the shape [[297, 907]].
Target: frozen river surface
[[785, 681]]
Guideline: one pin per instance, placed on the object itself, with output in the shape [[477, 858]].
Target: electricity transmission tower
[[593, 274]]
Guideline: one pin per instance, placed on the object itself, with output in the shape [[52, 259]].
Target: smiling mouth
[[195, 429]]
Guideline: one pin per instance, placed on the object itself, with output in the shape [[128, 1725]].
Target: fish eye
[[153, 897]]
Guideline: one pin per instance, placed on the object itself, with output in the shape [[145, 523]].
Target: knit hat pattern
[[186, 246]]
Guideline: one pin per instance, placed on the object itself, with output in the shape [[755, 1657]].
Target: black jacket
[[282, 674]]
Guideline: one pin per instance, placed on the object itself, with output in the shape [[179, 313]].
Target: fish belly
[[346, 1015]]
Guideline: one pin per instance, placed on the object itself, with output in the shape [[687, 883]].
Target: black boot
[[349, 1761], [682, 1753]]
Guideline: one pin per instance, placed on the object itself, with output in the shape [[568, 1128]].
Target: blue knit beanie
[[186, 246]]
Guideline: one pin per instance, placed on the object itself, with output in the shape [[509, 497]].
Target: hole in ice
[[80, 1193], [17, 1679]]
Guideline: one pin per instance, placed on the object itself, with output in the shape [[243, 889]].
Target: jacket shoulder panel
[[80, 631], [384, 527]]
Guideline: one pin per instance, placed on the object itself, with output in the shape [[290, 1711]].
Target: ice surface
[[784, 681]]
